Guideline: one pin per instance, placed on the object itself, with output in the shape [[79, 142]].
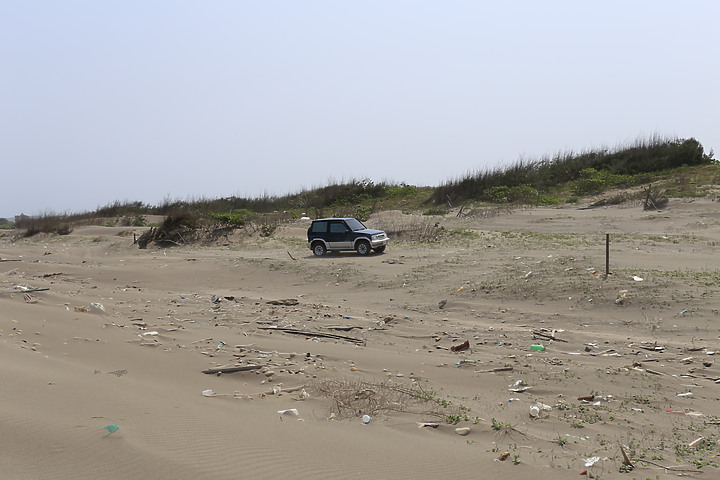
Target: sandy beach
[[104, 346]]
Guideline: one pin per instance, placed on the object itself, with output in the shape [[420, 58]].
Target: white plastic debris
[[686, 394], [366, 419], [208, 393], [637, 279], [534, 411], [97, 306], [290, 411], [589, 462], [152, 334]]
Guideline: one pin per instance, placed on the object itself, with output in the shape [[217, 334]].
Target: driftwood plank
[[294, 331], [244, 368]]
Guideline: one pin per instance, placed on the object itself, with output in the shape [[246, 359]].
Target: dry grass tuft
[[352, 398]]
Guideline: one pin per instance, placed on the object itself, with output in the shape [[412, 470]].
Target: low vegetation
[[656, 168]]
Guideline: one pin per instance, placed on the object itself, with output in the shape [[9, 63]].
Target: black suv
[[336, 234]]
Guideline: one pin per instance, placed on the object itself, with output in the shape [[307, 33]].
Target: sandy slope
[[69, 369]]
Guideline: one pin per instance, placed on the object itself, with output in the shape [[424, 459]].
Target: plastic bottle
[[539, 348]]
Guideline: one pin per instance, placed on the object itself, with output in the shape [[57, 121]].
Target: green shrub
[[440, 210], [592, 181], [363, 212], [135, 221], [525, 194], [63, 229], [402, 191], [237, 218]]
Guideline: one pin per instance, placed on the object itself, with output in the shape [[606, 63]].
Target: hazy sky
[[148, 99]]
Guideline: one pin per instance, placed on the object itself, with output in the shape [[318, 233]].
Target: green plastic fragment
[[111, 429]]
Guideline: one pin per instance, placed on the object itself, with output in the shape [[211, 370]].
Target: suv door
[[339, 236]]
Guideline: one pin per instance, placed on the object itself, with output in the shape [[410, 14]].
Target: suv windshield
[[354, 224]]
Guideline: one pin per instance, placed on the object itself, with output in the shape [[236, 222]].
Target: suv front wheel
[[319, 249], [362, 247]]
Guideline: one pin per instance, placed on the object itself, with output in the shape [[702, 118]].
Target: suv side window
[[319, 227], [338, 227]]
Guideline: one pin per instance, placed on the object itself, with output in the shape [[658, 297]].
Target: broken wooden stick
[[548, 336], [342, 328], [26, 291], [496, 370], [626, 459], [315, 334], [244, 368], [287, 302]]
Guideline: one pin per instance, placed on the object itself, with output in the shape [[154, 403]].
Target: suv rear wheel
[[362, 247], [319, 249]]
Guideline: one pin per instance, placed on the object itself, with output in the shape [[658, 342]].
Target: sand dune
[[121, 337]]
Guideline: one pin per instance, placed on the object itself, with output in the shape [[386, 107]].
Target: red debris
[[461, 347]]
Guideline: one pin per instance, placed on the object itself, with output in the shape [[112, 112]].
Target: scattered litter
[[496, 370], [589, 462], [426, 424], [152, 334], [366, 419], [549, 334], [534, 411], [537, 348], [287, 302], [463, 346], [637, 279], [111, 429], [24, 289], [220, 370], [290, 411], [686, 394], [696, 441], [208, 393], [504, 456], [622, 296], [519, 387]]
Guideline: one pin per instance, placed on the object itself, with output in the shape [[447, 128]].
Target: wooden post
[[607, 254]]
